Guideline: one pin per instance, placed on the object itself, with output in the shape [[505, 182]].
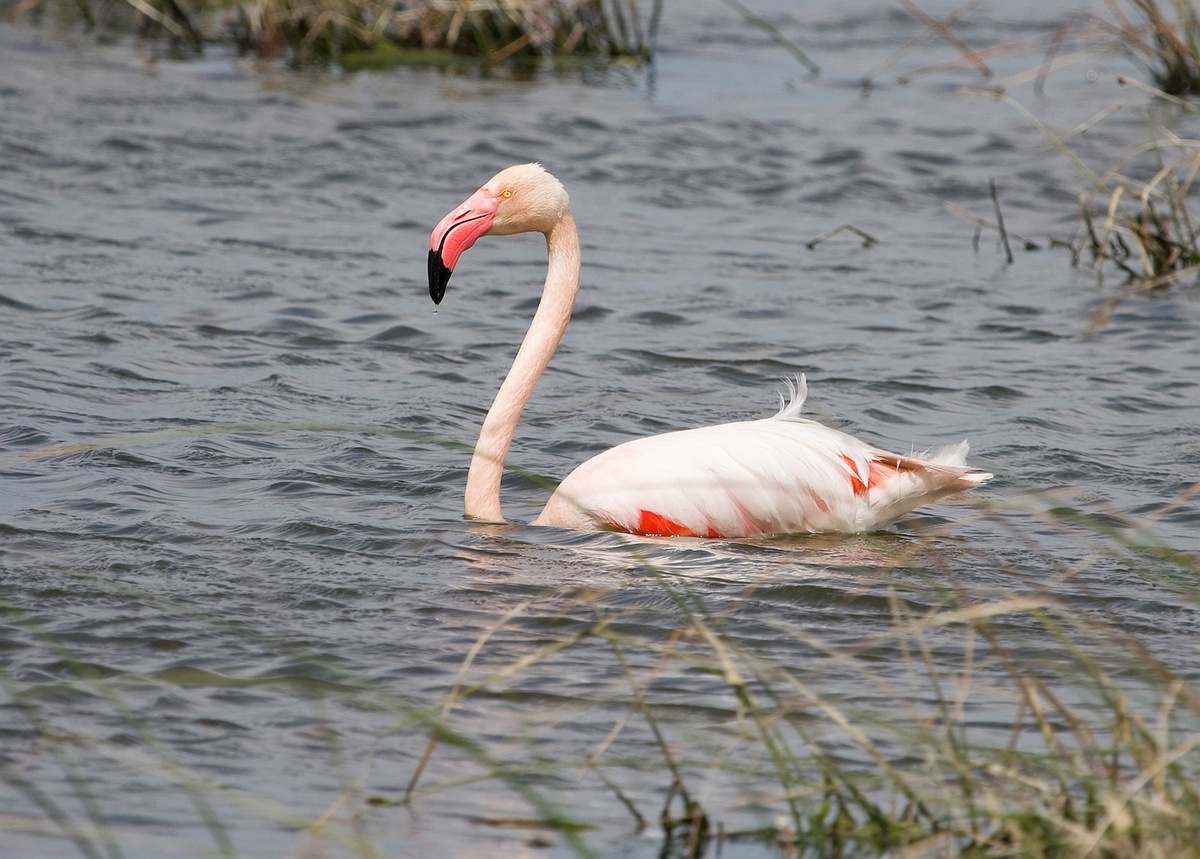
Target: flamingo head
[[520, 199]]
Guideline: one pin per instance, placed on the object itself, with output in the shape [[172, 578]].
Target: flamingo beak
[[454, 234]]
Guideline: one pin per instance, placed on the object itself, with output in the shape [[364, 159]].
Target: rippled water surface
[[241, 612]]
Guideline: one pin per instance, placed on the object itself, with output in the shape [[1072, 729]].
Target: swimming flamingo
[[784, 474]]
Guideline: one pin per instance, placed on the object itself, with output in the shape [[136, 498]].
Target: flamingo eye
[[506, 193]]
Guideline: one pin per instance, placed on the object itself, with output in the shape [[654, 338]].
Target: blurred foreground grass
[[958, 702]]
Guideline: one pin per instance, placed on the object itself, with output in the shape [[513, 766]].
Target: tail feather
[[950, 455], [947, 466], [797, 394]]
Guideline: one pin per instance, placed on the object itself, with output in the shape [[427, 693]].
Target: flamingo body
[[783, 474]]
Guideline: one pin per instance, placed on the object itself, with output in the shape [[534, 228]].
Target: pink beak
[[454, 234]]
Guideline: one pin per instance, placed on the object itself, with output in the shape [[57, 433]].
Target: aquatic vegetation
[[550, 27], [1168, 47], [1144, 227], [1136, 217], [379, 32]]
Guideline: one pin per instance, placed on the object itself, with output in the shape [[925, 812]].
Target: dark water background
[[258, 621]]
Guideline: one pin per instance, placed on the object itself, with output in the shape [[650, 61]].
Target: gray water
[[213, 637]]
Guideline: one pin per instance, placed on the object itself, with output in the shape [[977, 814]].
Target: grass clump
[[1163, 234], [1168, 46], [1143, 226], [378, 31], [1136, 217], [502, 28]]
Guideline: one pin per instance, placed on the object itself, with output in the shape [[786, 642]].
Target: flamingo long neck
[[482, 499]]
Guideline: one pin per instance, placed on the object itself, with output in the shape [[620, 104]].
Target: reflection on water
[[214, 638]]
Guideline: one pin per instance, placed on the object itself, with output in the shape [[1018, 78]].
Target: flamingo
[[780, 475]]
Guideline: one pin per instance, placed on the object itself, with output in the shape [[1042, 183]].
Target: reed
[[303, 30]]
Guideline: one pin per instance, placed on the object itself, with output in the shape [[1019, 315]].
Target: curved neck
[[482, 500]]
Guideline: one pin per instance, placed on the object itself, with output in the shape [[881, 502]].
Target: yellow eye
[[506, 193]]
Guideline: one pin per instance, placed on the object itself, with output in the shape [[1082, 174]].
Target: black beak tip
[[439, 276]]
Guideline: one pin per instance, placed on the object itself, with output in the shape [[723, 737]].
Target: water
[[212, 638]]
